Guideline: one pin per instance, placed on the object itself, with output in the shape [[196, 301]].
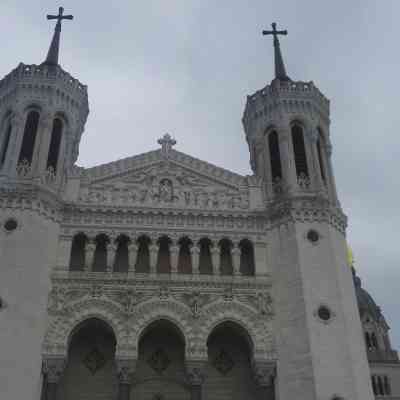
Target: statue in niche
[[166, 191]]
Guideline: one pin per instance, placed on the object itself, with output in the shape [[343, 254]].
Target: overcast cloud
[[185, 67]]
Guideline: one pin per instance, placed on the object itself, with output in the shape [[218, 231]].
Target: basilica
[[163, 277]]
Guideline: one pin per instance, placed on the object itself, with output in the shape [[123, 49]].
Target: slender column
[[236, 253], [195, 254], [287, 159], [42, 144], [111, 255], [195, 377], [125, 372], [64, 253], [319, 183], [216, 258], [153, 248], [174, 252], [89, 254], [264, 375], [52, 369], [133, 252], [330, 174], [10, 163]]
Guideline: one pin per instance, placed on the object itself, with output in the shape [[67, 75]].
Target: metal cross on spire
[[52, 55], [280, 70], [166, 143]]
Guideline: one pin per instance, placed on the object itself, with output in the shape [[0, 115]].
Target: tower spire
[[52, 55], [280, 70]]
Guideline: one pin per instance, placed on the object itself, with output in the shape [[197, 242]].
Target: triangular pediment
[[160, 179]]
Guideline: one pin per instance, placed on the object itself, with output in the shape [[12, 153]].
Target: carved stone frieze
[[166, 184], [128, 306]]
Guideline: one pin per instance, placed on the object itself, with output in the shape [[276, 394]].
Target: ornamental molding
[[196, 166], [306, 210], [151, 222], [17, 198], [130, 310]]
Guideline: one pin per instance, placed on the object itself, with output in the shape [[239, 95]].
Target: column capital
[[264, 372], [53, 368], [125, 370], [195, 372], [195, 249]]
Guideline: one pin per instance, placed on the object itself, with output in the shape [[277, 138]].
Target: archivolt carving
[[61, 326], [258, 328], [157, 309]]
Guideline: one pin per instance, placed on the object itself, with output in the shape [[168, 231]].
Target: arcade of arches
[[160, 372], [162, 255]]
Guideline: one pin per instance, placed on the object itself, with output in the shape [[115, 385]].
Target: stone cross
[[60, 17], [166, 142], [274, 32]]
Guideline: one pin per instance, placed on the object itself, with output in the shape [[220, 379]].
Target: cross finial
[[60, 16], [52, 55], [280, 71], [166, 142]]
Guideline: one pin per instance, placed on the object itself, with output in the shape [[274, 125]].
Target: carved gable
[[166, 183]]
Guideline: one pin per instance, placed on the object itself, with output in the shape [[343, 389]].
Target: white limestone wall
[[294, 369], [392, 371], [317, 360], [337, 348], [26, 256]]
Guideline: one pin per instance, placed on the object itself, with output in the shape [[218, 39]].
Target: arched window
[[380, 386], [185, 258], [4, 144], [100, 254], [320, 149], [77, 259], [164, 256], [299, 149], [143, 255], [28, 141], [122, 254], [247, 265], [55, 143], [388, 389], [275, 156], [226, 266], [374, 341], [374, 385], [205, 260], [368, 340]]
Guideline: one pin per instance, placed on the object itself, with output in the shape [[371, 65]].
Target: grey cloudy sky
[[186, 66]]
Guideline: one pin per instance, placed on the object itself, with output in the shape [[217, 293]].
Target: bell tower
[[318, 330], [43, 111]]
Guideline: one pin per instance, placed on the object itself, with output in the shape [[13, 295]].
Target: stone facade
[[161, 276]]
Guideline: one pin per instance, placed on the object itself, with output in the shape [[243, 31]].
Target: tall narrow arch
[[230, 352], [29, 138], [122, 254], [5, 141], [100, 254], [247, 262], [185, 257], [91, 362], [55, 144], [321, 158], [226, 265], [77, 258], [205, 260], [299, 150], [275, 156], [143, 255]]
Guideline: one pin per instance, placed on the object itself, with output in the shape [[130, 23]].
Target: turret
[[43, 111], [287, 129]]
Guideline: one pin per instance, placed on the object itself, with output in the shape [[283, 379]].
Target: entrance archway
[[229, 374], [160, 369], [91, 372]]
